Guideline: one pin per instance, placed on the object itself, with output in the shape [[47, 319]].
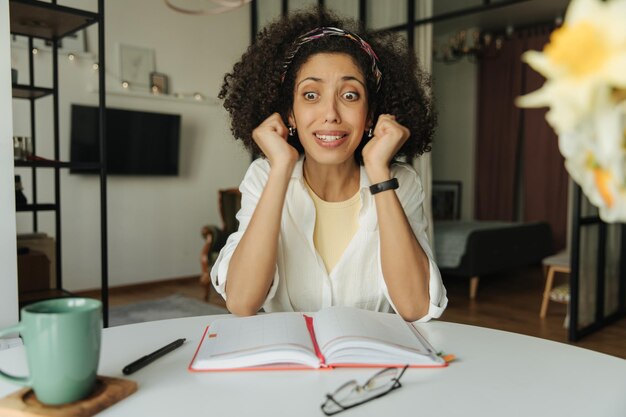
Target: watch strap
[[391, 184]]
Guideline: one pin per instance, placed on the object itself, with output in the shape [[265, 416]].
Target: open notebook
[[332, 337]]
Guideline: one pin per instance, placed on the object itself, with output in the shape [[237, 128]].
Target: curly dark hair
[[254, 90]]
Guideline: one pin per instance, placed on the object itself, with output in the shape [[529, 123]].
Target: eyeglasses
[[352, 394]]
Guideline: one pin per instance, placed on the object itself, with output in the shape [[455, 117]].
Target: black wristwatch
[[391, 184]]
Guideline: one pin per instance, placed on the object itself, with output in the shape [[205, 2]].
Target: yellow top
[[335, 225]]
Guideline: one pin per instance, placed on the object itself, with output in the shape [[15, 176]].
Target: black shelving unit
[[52, 22], [30, 92], [36, 207], [54, 164]]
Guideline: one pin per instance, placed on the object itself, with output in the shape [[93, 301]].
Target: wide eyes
[[348, 96], [351, 96]]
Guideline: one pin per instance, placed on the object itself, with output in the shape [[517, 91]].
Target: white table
[[497, 374]]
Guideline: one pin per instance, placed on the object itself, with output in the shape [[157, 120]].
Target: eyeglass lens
[[381, 380]]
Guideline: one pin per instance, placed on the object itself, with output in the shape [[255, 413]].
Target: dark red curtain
[[499, 83], [518, 164], [545, 181]]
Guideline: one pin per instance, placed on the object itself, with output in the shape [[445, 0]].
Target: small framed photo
[[158, 83], [446, 200]]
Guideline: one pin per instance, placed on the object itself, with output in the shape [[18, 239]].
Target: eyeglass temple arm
[[397, 383]]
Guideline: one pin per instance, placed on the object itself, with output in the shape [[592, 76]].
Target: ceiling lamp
[[212, 7]]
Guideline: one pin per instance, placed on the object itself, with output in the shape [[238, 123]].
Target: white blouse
[[301, 282]]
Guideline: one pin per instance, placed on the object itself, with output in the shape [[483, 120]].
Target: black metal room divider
[[598, 270]]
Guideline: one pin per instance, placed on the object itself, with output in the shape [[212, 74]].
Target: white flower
[[595, 158], [584, 61], [585, 68]]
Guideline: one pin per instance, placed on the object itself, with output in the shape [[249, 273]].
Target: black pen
[[145, 360]]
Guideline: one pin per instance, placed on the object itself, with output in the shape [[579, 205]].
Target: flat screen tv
[[138, 142]]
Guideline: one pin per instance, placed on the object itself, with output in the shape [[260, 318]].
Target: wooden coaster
[[108, 391]]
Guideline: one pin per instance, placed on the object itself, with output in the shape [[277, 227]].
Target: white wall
[[8, 254], [453, 154], [154, 223]]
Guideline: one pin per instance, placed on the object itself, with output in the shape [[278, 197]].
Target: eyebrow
[[344, 78]]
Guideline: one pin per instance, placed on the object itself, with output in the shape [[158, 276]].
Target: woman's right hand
[[248, 283], [271, 137]]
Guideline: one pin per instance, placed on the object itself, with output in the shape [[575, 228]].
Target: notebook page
[[243, 335], [10, 343], [338, 324]]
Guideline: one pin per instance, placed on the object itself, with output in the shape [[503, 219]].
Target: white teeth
[[328, 138]]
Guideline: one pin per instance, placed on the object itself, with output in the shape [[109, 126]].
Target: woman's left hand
[[388, 138]]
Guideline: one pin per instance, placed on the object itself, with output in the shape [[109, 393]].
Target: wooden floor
[[506, 302], [511, 302]]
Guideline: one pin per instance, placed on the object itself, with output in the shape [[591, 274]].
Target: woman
[[330, 108]]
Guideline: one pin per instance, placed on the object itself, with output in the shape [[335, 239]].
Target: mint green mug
[[62, 342]]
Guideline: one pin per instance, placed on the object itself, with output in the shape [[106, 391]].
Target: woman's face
[[330, 107]]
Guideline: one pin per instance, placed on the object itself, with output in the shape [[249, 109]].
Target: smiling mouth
[[330, 138]]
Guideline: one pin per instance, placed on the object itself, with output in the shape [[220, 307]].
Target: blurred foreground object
[[585, 68]]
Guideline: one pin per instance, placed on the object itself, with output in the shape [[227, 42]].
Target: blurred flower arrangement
[[585, 68]]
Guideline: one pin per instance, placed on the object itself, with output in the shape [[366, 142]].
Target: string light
[[71, 56], [196, 96], [42, 49], [126, 86]]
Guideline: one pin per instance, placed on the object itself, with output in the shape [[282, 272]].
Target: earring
[[370, 133], [292, 130]]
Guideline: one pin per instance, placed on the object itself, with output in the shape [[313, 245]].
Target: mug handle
[[20, 380]]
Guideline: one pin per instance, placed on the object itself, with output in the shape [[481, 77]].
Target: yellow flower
[[579, 49], [603, 179]]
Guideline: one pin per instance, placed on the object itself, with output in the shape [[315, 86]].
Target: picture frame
[[446, 200], [159, 83], [136, 64]]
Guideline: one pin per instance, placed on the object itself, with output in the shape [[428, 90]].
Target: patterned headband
[[331, 31]]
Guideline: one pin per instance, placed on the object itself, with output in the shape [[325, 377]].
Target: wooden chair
[[553, 264], [215, 237]]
